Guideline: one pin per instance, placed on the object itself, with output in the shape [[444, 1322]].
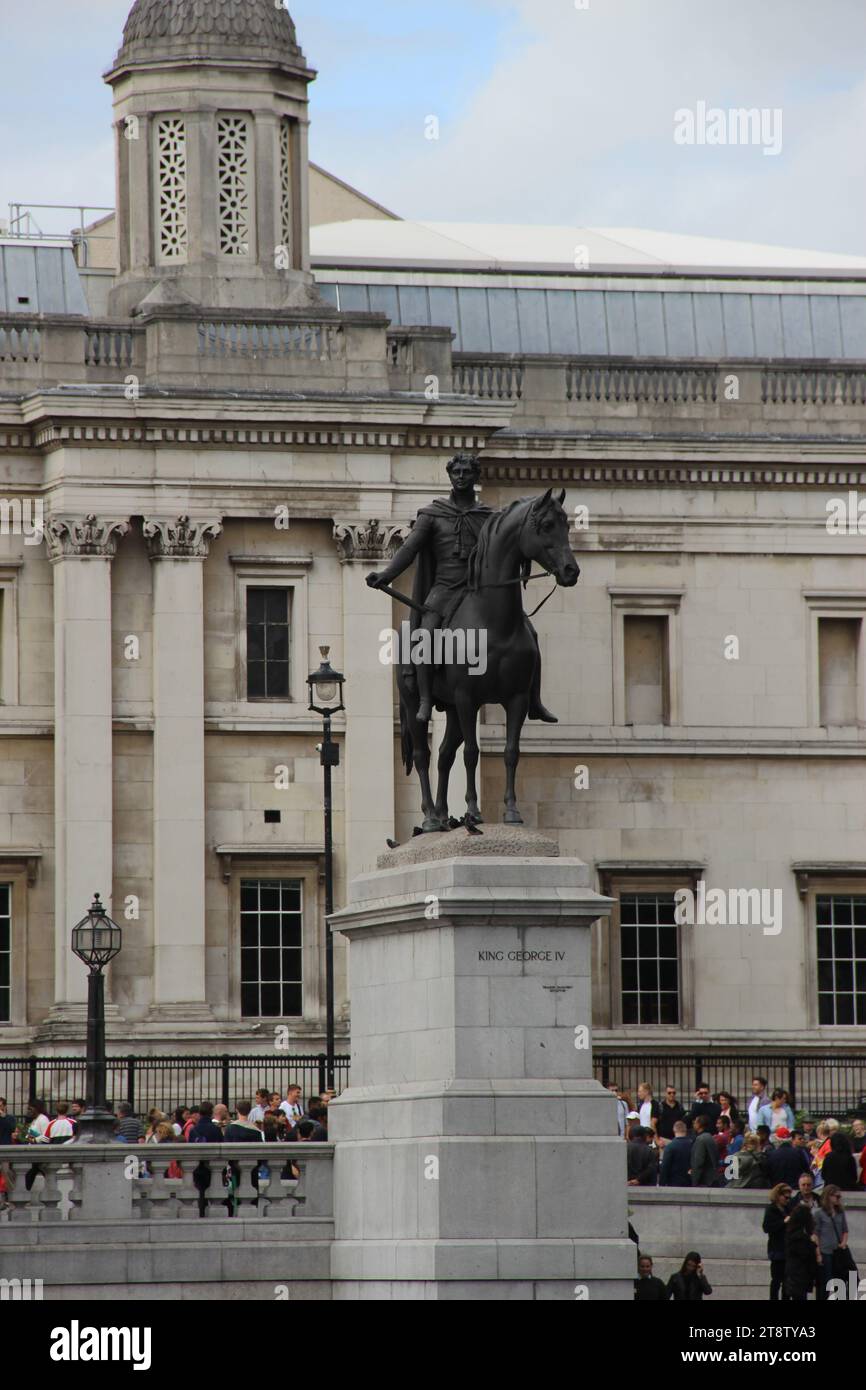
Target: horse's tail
[[406, 745]]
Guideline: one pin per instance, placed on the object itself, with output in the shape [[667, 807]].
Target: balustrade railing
[[20, 342], [309, 341], [108, 345], [122, 1182], [806, 386], [658, 385]]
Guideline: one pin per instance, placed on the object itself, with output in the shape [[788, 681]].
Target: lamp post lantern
[[96, 940], [326, 688]]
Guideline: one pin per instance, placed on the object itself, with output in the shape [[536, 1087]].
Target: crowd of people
[[272, 1118], [805, 1167]]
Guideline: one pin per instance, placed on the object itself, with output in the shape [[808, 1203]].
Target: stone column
[[476, 1157], [364, 546], [178, 549], [80, 550]]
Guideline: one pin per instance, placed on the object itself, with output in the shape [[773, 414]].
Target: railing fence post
[[130, 1082], [31, 1079], [699, 1071], [323, 1062], [224, 1081], [792, 1081]]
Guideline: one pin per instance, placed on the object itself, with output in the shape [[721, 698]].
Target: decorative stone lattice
[[172, 226], [233, 177], [286, 185]]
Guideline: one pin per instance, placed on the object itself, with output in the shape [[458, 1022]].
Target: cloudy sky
[[549, 111]]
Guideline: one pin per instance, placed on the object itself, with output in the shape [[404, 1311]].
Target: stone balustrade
[[729, 398], [105, 1184]]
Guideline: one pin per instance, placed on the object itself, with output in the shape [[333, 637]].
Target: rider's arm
[[419, 536]]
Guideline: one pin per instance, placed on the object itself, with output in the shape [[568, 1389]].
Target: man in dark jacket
[[702, 1105], [7, 1123], [647, 1288], [677, 1159], [641, 1161], [785, 1163], [204, 1131], [670, 1111], [705, 1155]]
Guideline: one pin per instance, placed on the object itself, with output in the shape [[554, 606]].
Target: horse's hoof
[[431, 826], [473, 819], [512, 818]]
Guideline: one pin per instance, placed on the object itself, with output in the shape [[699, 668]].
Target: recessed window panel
[[841, 959], [649, 959], [271, 955]]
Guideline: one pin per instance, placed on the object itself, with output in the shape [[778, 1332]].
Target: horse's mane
[[488, 533]]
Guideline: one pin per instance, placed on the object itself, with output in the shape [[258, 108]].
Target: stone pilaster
[[80, 550], [178, 549], [364, 546]]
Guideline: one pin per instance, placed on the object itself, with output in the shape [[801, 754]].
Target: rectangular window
[[838, 646], [271, 948], [841, 927], [647, 678], [649, 959], [5, 952], [267, 644]]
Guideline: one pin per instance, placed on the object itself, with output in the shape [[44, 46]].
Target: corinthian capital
[[180, 539], [84, 538], [369, 540]]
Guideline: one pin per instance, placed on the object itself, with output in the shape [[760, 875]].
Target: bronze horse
[[531, 529]]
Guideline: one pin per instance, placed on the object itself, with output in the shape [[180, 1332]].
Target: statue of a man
[[442, 540]]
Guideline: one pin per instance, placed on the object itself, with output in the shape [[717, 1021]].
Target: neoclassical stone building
[[236, 432]]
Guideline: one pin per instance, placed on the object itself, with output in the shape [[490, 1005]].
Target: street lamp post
[[326, 687], [96, 940]]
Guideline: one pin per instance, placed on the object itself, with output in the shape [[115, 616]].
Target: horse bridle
[[523, 579]]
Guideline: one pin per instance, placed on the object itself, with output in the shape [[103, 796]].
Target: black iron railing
[[829, 1084], [166, 1082]]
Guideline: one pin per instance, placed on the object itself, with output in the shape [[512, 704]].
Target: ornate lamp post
[[326, 687], [96, 940]]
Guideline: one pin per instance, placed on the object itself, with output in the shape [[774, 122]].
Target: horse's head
[[545, 539]]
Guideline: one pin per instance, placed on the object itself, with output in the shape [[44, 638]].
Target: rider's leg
[[424, 671], [536, 709]]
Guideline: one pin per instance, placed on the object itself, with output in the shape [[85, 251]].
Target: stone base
[[194, 1014], [492, 1291], [67, 1023], [477, 1158], [510, 841]]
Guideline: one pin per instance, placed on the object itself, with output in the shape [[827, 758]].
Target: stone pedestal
[[476, 1156]]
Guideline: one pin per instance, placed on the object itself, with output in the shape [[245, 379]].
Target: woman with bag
[[831, 1225]]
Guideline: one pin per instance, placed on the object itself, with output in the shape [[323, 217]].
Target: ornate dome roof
[[172, 29]]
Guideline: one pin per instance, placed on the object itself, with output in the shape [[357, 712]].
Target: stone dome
[[177, 29]]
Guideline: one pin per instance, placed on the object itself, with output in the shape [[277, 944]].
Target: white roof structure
[[474, 246]]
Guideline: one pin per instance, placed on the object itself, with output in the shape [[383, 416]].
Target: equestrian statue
[[471, 566]]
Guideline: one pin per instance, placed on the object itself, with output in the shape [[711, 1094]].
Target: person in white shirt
[[291, 1106], [760, 1098], [61, 1129], [37, 1123], [261, 1107]]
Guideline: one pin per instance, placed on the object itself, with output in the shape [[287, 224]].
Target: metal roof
[[39, 278], [601, 250]]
